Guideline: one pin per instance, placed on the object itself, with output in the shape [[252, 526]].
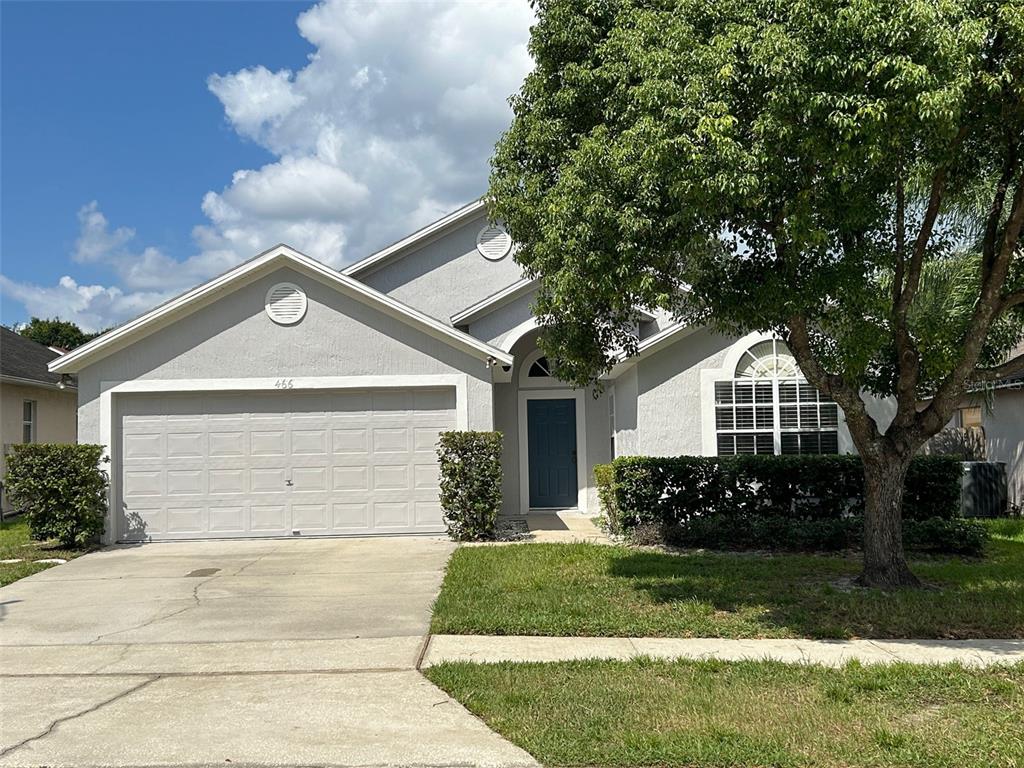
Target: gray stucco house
[[286, 398]]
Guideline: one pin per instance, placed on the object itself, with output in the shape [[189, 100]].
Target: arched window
[[768, 407], [539, 369]]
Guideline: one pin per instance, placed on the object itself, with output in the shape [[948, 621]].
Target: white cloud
[[255, 97], [394, 118], [388, 126], [92, 307]]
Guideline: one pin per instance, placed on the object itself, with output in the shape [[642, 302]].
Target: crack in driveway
[[177, 612], [67, 718]]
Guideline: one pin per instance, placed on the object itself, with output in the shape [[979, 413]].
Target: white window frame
[[727, 372], [32, 423], [535, 382], [777, 430]]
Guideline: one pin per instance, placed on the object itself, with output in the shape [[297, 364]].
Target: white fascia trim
[[650, 345], [108, 414], [416, 237], [581, 443], [136, 329], [484, 307]]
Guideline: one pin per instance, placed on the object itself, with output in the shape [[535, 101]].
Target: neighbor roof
[[25, 361], [279, 255], [406, 244]]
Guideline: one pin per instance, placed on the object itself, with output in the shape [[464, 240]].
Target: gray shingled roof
[[25, 359]]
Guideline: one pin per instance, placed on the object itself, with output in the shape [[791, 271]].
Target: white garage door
[[276, 464]]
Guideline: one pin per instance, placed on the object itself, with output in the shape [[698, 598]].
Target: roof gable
[[409, 243], [281, 255]]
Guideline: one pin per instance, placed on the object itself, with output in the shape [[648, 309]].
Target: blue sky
[[147, 146]]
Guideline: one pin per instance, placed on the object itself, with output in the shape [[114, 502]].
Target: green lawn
[[709, 713], [16, 543], [584, 589]]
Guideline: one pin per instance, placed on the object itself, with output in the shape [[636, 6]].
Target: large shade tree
[[844, 173]]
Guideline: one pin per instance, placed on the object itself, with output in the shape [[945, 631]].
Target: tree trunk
[[885, 565]]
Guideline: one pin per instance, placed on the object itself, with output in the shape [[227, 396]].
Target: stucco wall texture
[[668, 412], [234, 338], [445, 275]]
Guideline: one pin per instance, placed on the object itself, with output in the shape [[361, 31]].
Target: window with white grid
[[769, 408]]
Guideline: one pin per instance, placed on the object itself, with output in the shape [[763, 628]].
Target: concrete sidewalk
[[833, 653]]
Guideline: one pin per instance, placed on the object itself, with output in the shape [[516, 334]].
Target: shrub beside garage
[[61, 488], [799, 503], [470, 465]]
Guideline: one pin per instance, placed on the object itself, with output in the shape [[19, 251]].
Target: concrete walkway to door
[[253, 653]]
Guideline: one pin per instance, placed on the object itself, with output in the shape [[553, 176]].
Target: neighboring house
[[36, 406], [286, 398], [989, 426]]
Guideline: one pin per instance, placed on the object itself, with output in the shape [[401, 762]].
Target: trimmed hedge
[[61, 488], [957, 536], [470, 483], [778, 502]]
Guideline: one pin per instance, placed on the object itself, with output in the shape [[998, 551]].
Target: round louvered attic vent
[[286, 303], [494, 243]]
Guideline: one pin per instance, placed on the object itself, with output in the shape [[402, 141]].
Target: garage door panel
[[142, 483], [227, 481], [390, 477], [226, 443], [392, 402], [433, 400], [350, 441], [354, 478], [227, 519], [425, 438], [310, 517], [144, 521], [348, 516], [186, 520], [268, 442], [390, 440], [309, 441], [144, 446], [274, 464], [268, 480], [428, 514], [309, 480], [269, 518], [185, 482], [391, 514], [351, 404]]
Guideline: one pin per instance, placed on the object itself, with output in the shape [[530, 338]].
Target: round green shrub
[[61, 488]]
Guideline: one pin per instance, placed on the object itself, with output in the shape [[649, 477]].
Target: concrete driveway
[[242, 653]]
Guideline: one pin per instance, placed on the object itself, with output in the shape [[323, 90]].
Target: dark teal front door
[[551, 432]]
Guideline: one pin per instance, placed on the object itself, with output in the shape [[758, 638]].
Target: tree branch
[[995, 214], [1011, 300], [863, 427], [990, 304], [901, 239], [1011, 367]]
